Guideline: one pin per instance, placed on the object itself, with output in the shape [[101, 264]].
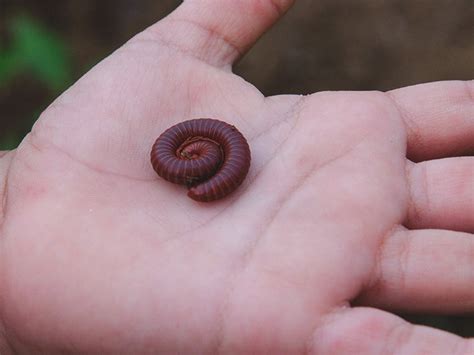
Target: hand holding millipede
[[359, 207]]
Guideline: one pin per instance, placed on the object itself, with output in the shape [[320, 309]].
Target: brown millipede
[[210, 156]]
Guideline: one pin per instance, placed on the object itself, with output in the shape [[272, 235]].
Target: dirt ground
[[319, 45]]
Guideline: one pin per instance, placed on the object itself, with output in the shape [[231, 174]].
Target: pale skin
[[357, 205]]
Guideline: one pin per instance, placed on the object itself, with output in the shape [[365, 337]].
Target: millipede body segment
[[209, 156]]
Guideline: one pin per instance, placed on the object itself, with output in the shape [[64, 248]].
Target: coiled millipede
[[209, 156]]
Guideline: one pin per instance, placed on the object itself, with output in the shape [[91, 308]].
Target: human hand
[[333, 229]]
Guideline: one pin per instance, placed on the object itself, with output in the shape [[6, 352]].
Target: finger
[[424, 271], [439, 118], [219, 31], [371, 332], [442, 194]]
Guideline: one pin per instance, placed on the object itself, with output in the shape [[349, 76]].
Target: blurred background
[[320, 45]]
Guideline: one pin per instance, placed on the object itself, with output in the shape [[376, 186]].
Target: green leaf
[[41, 51]]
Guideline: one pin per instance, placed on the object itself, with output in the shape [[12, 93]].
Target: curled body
[[209, 156]]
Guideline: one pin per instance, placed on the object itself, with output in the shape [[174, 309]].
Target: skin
[[357, 205]]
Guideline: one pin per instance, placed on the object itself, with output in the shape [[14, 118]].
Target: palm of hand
[[130, 263]]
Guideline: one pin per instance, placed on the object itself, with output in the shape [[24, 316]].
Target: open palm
[[99, 255]]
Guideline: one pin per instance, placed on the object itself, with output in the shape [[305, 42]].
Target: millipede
[[209, 156]]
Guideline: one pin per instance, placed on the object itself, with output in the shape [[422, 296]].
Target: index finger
[[439, 118], [219, 32]]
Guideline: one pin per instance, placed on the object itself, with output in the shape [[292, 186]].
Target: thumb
[[219, 31]]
